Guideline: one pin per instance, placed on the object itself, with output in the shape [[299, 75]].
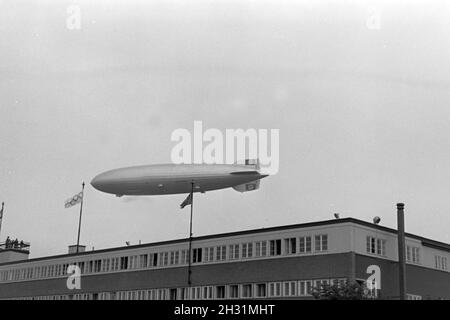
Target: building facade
[[280, 262]]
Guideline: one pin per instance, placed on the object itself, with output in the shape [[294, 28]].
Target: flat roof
[[425, 241]]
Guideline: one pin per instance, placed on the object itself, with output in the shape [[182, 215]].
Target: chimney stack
[[73, 249], [401, 250]]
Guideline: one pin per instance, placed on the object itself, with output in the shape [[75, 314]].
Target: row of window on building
[[218, 253], [155, 294], [378, 247], [281, 289]]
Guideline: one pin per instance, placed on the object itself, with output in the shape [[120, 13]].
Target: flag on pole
[[74, 200], [187, 201]]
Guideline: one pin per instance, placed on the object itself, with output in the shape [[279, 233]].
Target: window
[[58, 271], [440, 262], [174, 257], [153, 259], [209, 254], [321, 242], [182, 293], [208, 292], [165, 259], [81, 265], [51, 269], [184, 256], [123, 263], [161, 294], [413, 297], [116, 263], [247, 291], [415, 254], [234, 291], [234, 251], [412, 254], [197, 255], [247, 250], [275, 247], [177, 257], [370, 245], [196, 293], [261, 248], [173, 294], [143, 260], [290, 288], [133, 262], [275, 289], [261, 290], [305, 244], [105, 265], [220, 292], [375, 246], [152, 294], [221, 253], [380, 247], [290, 246], [97, 265], [304, 287]]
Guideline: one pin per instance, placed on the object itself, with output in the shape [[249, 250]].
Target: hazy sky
[[360, 91]]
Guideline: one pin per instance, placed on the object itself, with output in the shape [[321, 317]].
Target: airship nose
[[101, 181]]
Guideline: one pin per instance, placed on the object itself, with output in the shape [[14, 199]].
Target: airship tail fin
[[249, 186]]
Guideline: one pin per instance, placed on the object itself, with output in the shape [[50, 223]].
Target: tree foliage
[[347, 291]]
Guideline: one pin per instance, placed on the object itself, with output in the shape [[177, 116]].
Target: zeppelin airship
[[161, 179]]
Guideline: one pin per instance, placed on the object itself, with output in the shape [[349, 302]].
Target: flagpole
[[81, 212], [190, 234], [1, 216]]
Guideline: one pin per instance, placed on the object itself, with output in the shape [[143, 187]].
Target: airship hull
[[175, 179]]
